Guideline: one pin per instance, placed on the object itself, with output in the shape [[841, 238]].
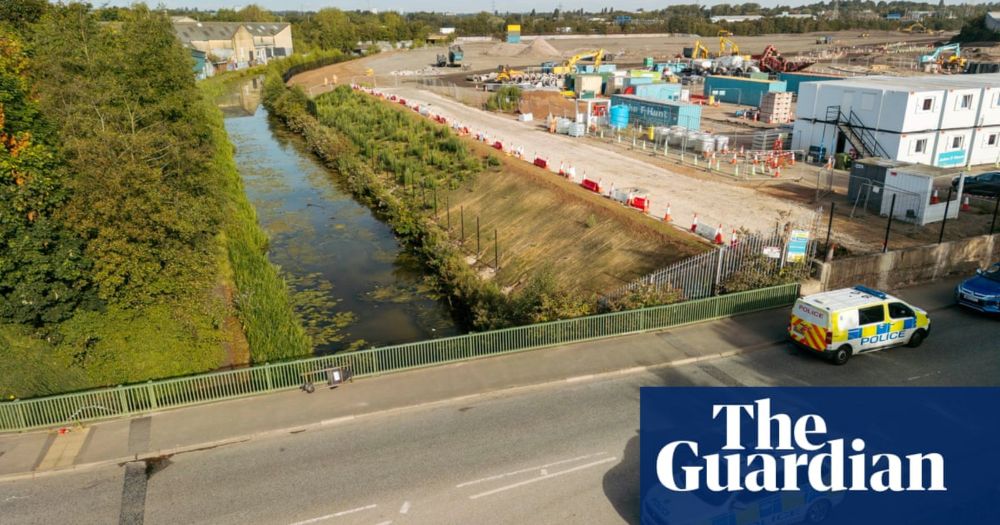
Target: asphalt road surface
[[564, 454]]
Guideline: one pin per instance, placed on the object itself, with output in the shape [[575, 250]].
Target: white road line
[[405, 508], [540, 478], [335, 515], [530, 469]]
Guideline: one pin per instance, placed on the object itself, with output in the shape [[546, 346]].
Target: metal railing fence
[[121, 401]]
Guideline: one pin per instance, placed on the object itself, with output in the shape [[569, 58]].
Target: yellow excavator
[[700, 51], [570, 65], [915, 27], [725, 42]]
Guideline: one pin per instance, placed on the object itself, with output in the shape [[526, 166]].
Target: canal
[[354, 284]]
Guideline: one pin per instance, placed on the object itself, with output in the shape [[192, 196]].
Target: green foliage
[[975, 30], [643, 296], [43, 274], [507, 99], [761, 272], [138, 146]]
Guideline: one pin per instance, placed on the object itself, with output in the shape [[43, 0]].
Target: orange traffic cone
[[965, 204], [934, 197], [732, 238], [694, 224], [666, 216], [718, 235]]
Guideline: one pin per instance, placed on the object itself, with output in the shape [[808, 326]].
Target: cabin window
[[965, 102], [927, 104], [957, 142], [871, 315], [920, 145], [991, 139]]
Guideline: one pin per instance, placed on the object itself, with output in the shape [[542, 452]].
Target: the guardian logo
[[787, 455]]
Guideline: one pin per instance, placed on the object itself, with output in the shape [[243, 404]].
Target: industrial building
[[903, 188], [651, 112], [943, 121], [235, 45]]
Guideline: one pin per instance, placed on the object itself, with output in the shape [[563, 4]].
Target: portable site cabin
[[874, 182], [944, 121]]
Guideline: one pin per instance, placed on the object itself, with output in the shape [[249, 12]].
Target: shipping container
[[738, 90], [659, 91], [649, 112], [792, 80]]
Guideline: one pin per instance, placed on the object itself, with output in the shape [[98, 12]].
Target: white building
[[942, 120], [993, 21]]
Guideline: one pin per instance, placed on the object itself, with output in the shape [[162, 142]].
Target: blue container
[[659, 112], [659, 91], [619, 116], [739, 90]]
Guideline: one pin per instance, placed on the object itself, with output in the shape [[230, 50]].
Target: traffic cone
[[562, 169], [694, 224], [732, 238], [965, 204], [718, 235], [734, 158], [777, 172], [666, 216], [934, 197]]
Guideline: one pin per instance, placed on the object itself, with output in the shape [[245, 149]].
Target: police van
[[841, 323]]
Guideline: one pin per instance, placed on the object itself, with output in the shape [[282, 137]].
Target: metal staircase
[[862, 138]]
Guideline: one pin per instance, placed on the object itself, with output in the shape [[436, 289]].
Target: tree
[[42, 269], [329, 29]]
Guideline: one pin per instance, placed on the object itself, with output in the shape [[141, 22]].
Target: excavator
[[725, 42], [915, 27], [506, 74], [570, 65], [699, 51], [953, 61]]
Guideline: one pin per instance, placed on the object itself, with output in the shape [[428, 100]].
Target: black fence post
[[888, 226], [461, 212], [477, 237], [496, 250], [947, 204]]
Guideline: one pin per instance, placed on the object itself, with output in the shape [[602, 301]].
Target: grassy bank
[[559, 247]]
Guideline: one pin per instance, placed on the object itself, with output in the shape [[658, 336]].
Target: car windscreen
[[993, 273]]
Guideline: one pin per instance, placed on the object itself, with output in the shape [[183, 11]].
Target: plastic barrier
[[591, 185], [498, 145], [541, 163], [640, 203]]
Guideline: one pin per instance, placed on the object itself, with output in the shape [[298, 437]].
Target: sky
[[463, 6]]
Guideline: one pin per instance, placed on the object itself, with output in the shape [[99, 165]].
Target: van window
[[900, 311], [872, 314], [810, 313]]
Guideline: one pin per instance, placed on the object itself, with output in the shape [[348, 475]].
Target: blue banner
[[756, 456]]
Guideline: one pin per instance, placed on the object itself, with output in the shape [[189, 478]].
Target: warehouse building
[[943, 121]]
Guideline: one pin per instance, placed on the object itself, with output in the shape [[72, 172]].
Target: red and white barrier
[[694, 224], [666, 216], [934, 197], [965, 204]]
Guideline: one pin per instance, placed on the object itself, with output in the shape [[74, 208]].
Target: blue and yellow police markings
[[882, 334]]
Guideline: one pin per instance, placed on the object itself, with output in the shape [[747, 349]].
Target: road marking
[[405, 508], [530, 469], [540, 478], [335, 515], [64, 449]]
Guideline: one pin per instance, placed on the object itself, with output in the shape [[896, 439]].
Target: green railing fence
[[170, 393]]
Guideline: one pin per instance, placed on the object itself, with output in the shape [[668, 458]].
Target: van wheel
[[842, 354], [916, 339]]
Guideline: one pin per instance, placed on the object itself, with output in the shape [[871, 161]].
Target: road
[[552, 454]]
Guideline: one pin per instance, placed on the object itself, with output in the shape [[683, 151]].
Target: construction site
[[726, 138]]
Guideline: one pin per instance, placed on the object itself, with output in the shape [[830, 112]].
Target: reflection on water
[[355, 273]]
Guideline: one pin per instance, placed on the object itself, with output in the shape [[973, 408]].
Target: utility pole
[[947, 204], [888, 226]]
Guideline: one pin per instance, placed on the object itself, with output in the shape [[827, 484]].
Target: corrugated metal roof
[[201, 31]]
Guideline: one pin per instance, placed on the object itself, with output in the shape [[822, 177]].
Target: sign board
[[773, 252], [797, 244], [951, 158]]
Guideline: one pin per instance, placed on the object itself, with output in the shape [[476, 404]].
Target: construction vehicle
[[506, 74], [822, 40], [954, 58], [771, 61], [699, 51], [915, 27], [726, 45], [442, 60], [455, 55], [569, 66]]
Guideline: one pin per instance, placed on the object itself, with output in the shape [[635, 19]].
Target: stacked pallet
[[776, 107]]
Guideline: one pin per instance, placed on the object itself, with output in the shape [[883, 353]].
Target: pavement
[[544, 450]]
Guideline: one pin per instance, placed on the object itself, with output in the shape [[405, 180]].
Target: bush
[[507, 99]]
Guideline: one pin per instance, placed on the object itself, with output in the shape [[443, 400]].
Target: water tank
[[721, 143], [619, 116]]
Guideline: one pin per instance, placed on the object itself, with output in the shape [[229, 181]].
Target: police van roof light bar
[[870, 291]]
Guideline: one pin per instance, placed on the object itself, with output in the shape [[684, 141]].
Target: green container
[[647, 62]]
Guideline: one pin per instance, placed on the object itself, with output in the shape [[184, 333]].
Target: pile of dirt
[[504, 49], [539, 48], [540, 103]]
